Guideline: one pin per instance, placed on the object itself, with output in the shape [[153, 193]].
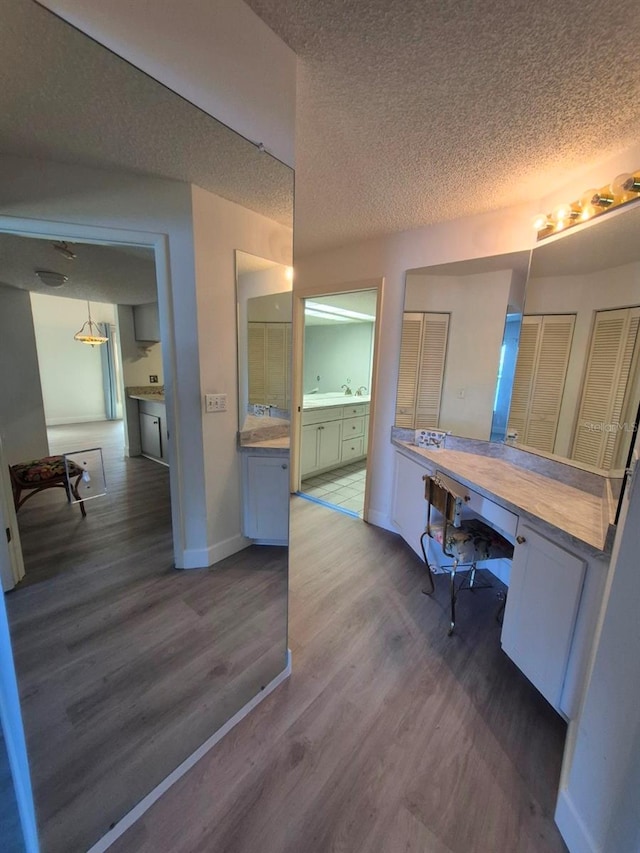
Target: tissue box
[[432, 438]]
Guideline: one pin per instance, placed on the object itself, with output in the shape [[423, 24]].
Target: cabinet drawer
[[355, 410], [352, 448], [493, 513], [320, 416], [353, 427]]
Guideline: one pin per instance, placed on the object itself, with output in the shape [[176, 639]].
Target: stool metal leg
[[453, 597], [426, 562]]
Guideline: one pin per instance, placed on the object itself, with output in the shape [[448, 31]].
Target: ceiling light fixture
[[340, 312], [623, 189], [90, 333], [323, 315], [63, 247], [52, 278]]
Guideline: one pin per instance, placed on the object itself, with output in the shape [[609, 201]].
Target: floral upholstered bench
[[45, 473]]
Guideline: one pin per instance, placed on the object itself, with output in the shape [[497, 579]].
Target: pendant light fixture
[[90, 332]]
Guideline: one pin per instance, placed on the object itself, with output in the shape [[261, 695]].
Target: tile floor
[[343, 487]]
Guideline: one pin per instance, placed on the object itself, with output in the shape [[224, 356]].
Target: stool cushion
[[44, 469], [472, 541]]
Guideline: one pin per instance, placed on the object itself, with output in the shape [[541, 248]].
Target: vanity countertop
[[267, 445], [150, 398], [581, 515], [330, 402]]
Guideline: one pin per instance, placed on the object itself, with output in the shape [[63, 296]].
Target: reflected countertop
[[330, 401], [148, 393], [266, 446], [150, 398]]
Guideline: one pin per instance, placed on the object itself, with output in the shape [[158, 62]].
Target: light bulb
[[541, 221], [587, 203], [566, 213], [603, 198], [626, 185]]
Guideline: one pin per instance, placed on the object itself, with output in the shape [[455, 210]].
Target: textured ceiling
[[113, 274], [66, 98], [414, 111]]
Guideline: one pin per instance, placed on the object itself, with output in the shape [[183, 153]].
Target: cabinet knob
[[284, 467], [320, 427], [520, 540]]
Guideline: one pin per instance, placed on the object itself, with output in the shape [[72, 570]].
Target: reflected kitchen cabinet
[[146, 322]]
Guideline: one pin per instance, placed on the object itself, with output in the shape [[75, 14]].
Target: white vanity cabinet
[[545, 589], [266, 497], [333, 436], [409, 511]]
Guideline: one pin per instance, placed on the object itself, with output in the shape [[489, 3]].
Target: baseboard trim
[[145, 804], [572, 828], [201, 558], [381, 519]]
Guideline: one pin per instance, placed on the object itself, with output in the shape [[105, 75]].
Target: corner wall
[[219, 228]]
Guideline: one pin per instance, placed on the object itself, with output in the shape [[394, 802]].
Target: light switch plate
[[215, 402]]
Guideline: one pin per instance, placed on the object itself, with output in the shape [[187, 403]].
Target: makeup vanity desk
[[560, 522]]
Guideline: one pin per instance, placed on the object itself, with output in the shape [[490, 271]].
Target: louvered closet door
[[276, 360], [611, 357], [288, 364], [523, 379], [408, 372], [435, 331], [554, 346], [256, 358], [541, 370]]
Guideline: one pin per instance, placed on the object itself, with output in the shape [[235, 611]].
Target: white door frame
[[72, 232], [300, 294]]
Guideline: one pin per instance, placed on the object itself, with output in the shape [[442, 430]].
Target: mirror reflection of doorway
[[339, 336]]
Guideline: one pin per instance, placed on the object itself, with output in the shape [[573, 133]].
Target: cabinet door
[[409, 505], [329, 444], [267, 499], [542, 604], [150, 435], [309, 450]]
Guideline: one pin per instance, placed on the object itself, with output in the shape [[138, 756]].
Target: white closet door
[[554, 346], [435, 331], [523, 379], [541, 370], [275, 364], [256, 358], [612, 354], [408, 371]]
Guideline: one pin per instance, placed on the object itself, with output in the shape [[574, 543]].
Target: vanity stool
[[466, 541], [45, 473]]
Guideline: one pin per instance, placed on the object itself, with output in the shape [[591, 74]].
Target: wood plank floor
[[388, 737], [125, 665]]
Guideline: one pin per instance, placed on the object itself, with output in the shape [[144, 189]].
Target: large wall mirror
[[126, 665], [539, 349], [459, 340], [577, 379]]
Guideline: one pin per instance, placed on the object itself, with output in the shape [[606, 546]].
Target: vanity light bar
[[340, 312], [591, 203]]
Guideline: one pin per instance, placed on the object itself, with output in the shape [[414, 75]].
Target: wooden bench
[[45, 473]]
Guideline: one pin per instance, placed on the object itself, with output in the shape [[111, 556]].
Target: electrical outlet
[[153, 379], [215, 402]]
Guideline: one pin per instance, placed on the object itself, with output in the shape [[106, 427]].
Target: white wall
[[22, 420], [390, 257], [137, 363], [336, 353], [235, 67], [478, 307], [70, 372], [219, 228], [580, 295]]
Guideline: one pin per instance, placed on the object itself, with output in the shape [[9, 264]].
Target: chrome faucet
[[347, 390], [360, 390]]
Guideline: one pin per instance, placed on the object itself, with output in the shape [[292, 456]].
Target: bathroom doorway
[[337, 357]]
